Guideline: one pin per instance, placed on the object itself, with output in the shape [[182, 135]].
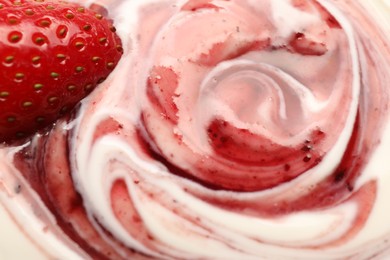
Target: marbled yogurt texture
[[230, 129]]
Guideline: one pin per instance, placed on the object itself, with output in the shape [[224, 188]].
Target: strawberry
[[52, 55]]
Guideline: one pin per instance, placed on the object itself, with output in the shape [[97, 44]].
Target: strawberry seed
[[79, 69], [61, 56], [20, 134], [63, 110], [88, 87], [13, 20], [39, 40], [27, 104], [45, 22], [38, 86], [69, 15], [29, 12], [71, 87], [62, 30], [15, 36], [102, 40], [4, 94], [40, 119], [36, 59], [52, 100], [11, 119], [119, 48], [87, 27], [110, 65], [79, 45], [19, 76], [9, 59], [54, 75], [96, 59]]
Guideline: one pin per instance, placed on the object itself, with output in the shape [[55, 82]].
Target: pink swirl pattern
[[239, 129]]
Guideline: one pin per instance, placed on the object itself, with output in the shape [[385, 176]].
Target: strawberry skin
[[52, 54]]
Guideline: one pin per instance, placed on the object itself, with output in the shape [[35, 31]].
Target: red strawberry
[[52, 54]]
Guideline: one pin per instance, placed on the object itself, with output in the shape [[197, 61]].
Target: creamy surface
[[247, 129]]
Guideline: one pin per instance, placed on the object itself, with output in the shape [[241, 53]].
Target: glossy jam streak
[[333, 190]]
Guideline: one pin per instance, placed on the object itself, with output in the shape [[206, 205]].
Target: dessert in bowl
[[248, 129]]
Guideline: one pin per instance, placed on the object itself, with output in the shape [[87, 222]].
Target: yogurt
[[249, 129]]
